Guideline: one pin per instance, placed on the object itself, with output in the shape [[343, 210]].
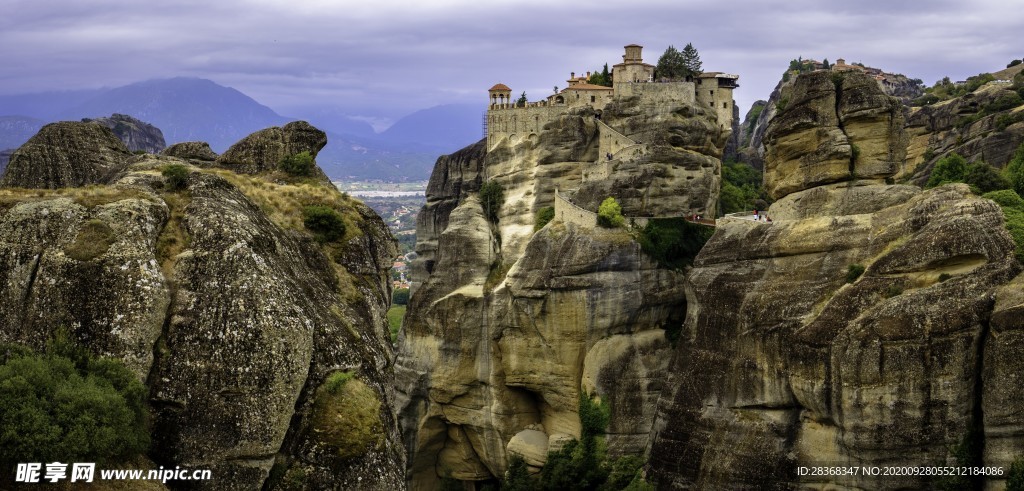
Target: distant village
[[887, 80]]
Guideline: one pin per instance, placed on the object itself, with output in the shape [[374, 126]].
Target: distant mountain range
[[197, 109]]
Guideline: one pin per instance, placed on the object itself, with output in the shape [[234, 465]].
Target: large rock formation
[[835, 127], [985, 125], [222, 302], [791, 357], [197, 151], [980, 126], [137, 135], [679, 172], [66, 154], [262, 151], [507, 325]]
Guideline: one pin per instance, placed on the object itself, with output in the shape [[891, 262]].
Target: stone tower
[[632, 69], [500, 94]]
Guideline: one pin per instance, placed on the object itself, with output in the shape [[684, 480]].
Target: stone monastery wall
[[519, 123], [567, 212], [610, 142], [658, 91]]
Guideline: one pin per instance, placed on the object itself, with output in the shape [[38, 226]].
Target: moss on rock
[[346, 416]]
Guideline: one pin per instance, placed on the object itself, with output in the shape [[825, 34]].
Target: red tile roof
[[499, 87]]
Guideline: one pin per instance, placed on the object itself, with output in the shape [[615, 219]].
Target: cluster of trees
[[66, 405], [678, 65], [945, 89], [1005, 188], [672, 65], [673, 242], [581, 464], [602, 77], [742, 188], [800, 65]]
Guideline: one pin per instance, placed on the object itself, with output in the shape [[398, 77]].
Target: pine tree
[[691, 60], [672, 64], [521, 102], [825, 64]]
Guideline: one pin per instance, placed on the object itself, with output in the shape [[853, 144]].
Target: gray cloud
[[385, 58]]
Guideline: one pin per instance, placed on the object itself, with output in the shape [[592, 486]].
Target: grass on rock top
[[87, 196], [284, 203]]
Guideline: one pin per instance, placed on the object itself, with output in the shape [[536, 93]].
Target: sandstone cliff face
[[965, 125], [507, 325], [223, 304], [680, 173], [66, 154], [785, 360], [940, 129], [835, 127], [136, 135]]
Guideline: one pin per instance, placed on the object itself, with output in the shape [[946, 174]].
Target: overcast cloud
[[385, 58]]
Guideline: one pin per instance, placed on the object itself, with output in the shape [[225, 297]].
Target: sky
[[379, 60]]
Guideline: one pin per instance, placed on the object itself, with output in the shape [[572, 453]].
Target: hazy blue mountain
[[15, 130], [45, 105], [184, 109], [197, 109], [5, 156], [447, 127]]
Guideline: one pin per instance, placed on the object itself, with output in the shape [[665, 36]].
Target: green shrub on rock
[[853, 272], [325, 222], [299, 165], [176, 176], [1015, 476], [1013, 211], [544, 215], [951, 168], [609, 214], [492, 196]]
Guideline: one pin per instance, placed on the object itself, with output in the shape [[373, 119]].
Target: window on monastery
[[712, 92], [725, 104], [593, 99], [699, 81]]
